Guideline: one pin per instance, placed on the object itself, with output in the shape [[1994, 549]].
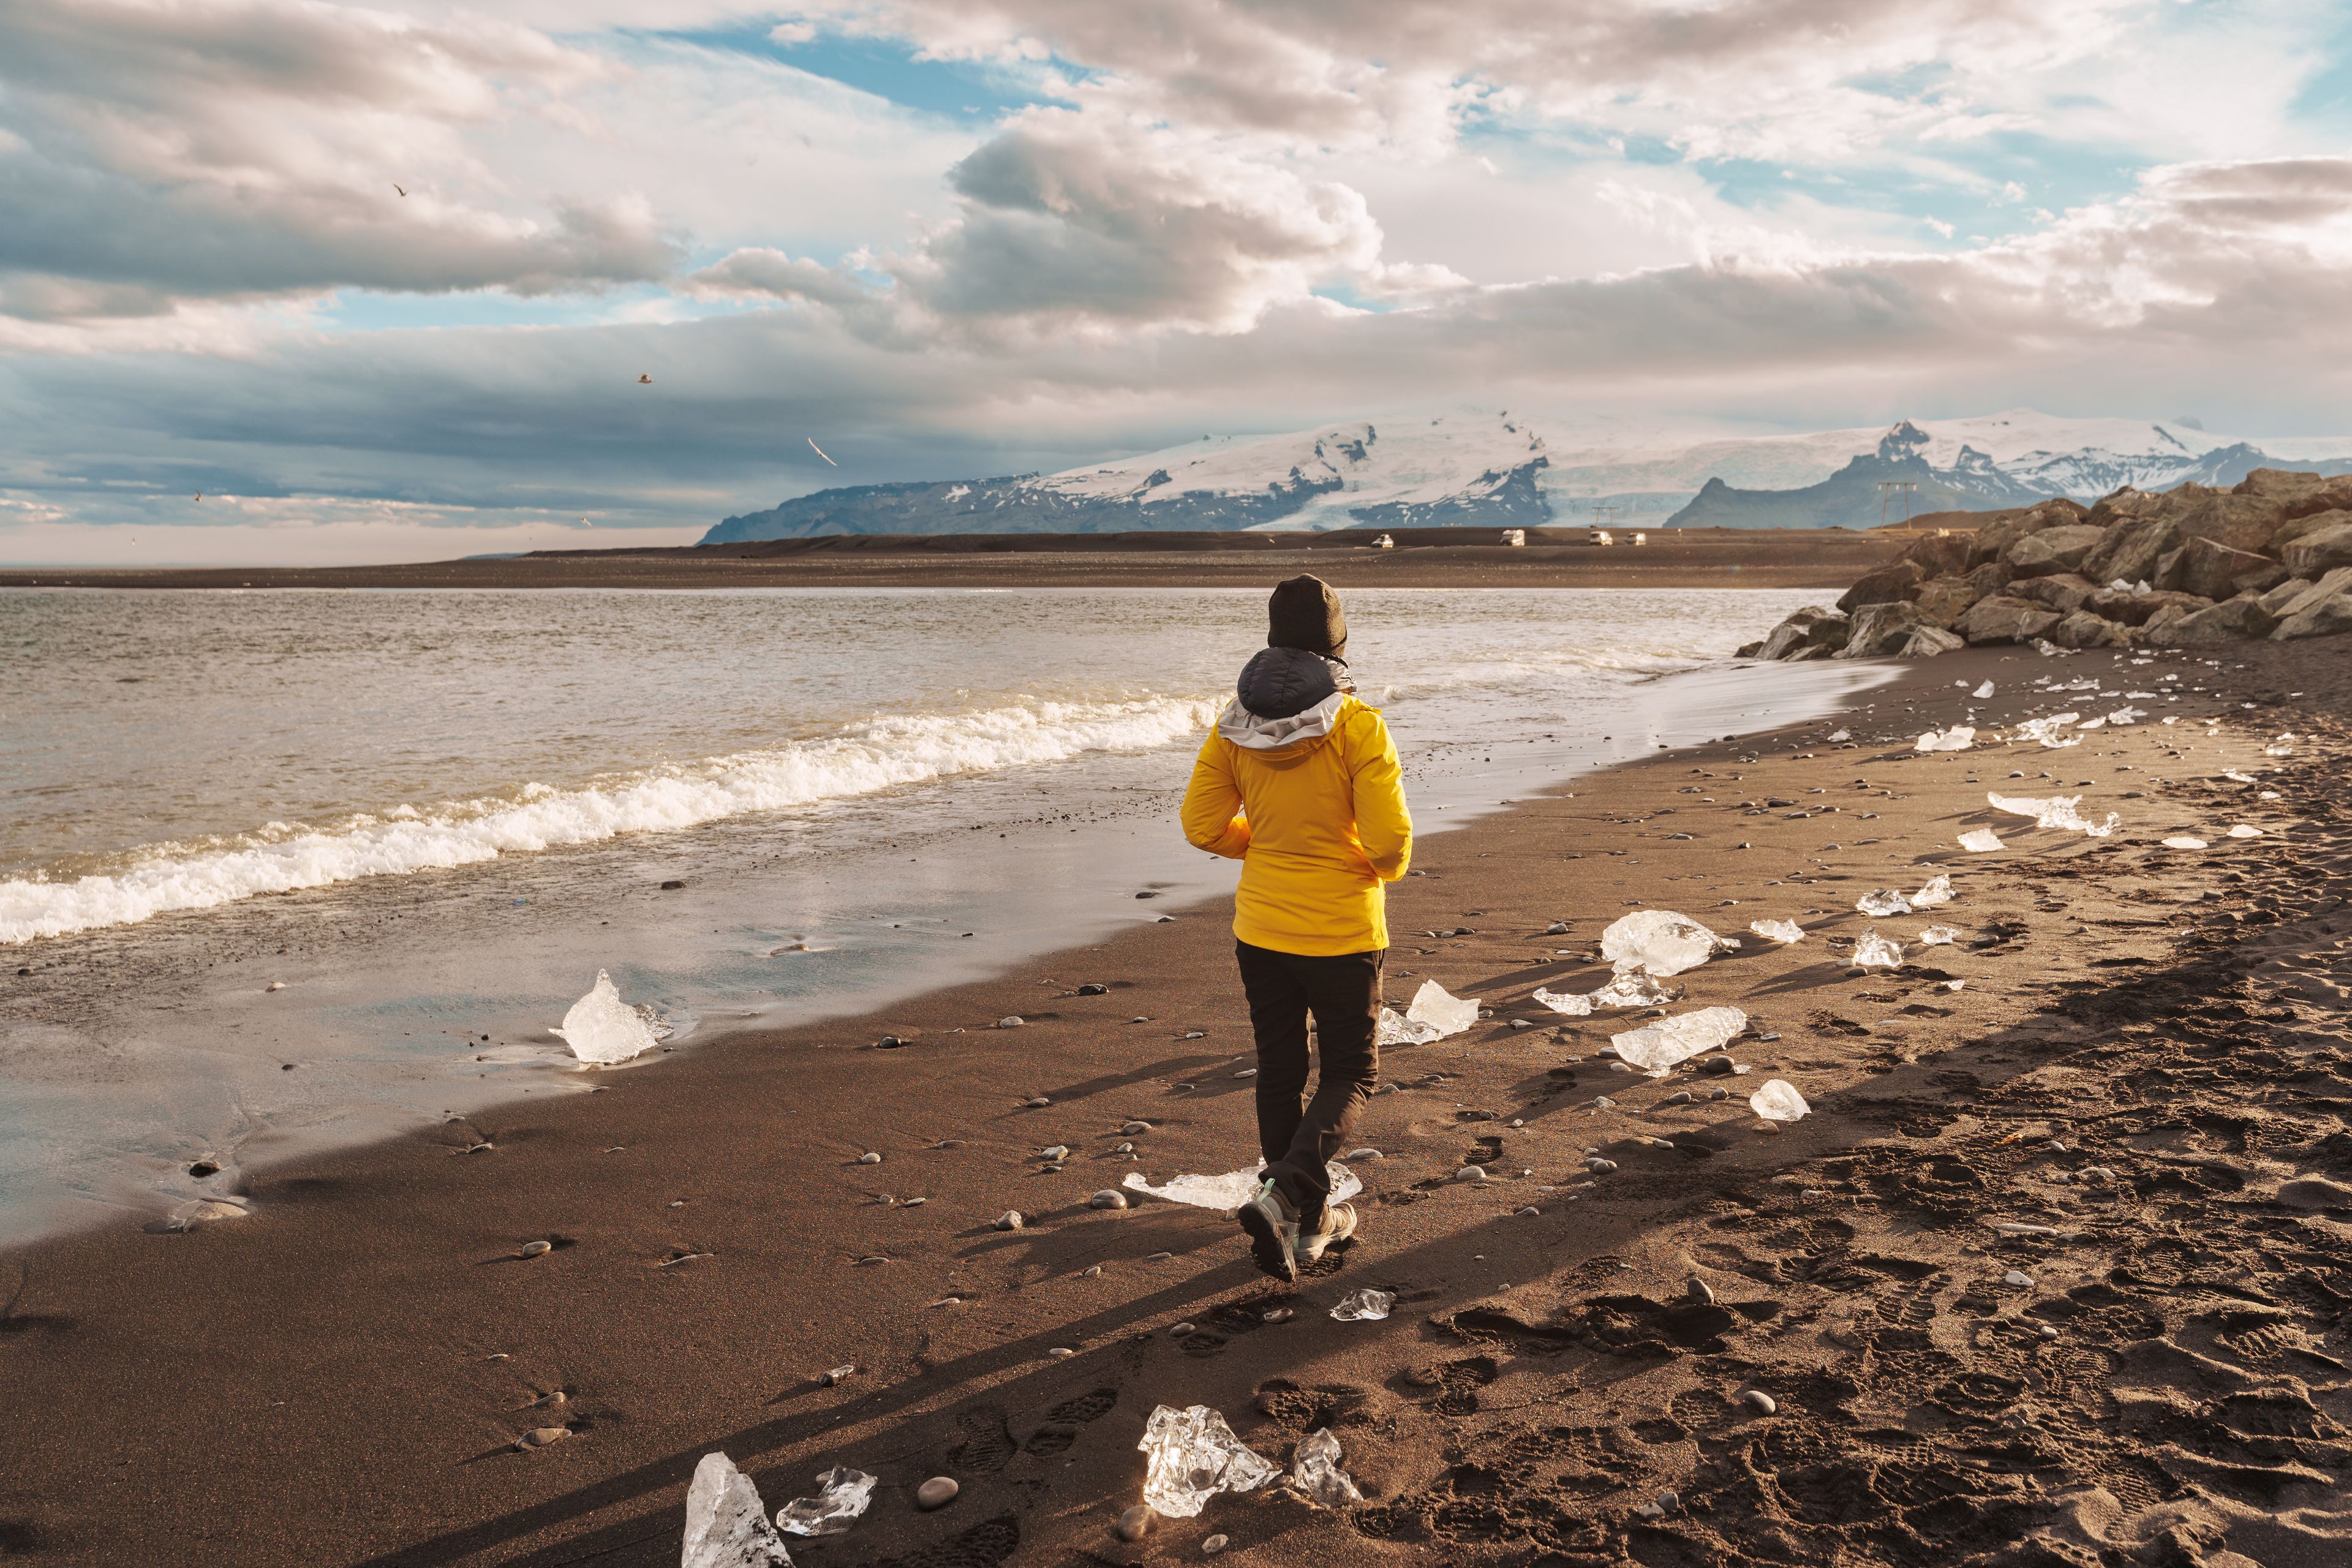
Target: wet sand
[[1423, 558], [341, 1377]]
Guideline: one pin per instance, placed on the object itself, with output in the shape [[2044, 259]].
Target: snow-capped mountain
[[1497, 469]]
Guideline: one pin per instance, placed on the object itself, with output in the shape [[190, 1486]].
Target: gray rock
[[1812, 626], [1471, 1173], [2059, 548], [937, 1492], [2064, 592], [1880, 630], [1990, 577], [2004, 619], [2322, 611], [1761, 1403], [1698, 1291], [2136, 609], [1108, 1198], [2296, 528], [2084, 629], [1996, 537], [2321, 551], [1943, 600], [2229, 621], [1926, 642], [2130, 549], [2279, 601], [1886, 585], [1009, 1220], [1136, 1521], [2215, 571]]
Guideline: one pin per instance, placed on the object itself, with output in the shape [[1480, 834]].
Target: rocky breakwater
[[2268, 557]]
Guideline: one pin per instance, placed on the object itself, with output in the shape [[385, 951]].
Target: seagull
[[645, 380], [819, 451], [200, 495], [397, 187]]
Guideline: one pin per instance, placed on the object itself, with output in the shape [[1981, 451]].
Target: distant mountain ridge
[[1496, 470]]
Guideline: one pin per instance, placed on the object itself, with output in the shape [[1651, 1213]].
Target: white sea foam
[[877, 754]]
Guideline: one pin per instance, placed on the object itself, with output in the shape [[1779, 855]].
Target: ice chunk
[[1574, 1004], [1656, 1048], [2059, 811], [2234, 776], [1939, 891], [1366, 1305], [1882, 902], [1779, 1102], [2127, 714], [1836, 736], [1783, 931], [1939, 936], [2245, 830], [726, 1523], [1984, 690], [1979, 840], [1959, 738], [2184, 841], [1316, 1471], [603, 1030], [1659, 940], [842, 1495], [1191, 1456], [1396, 1029], [2045, 730], [1448, 1014], [1631, 986], [1233, 1188], [1872, 950]]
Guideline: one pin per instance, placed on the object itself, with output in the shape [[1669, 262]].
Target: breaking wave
[[877, 754]]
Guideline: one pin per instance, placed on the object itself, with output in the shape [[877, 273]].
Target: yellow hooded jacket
[[1313, 807]]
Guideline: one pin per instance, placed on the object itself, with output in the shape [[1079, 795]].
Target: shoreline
[[374, 1285], [1423, 558]]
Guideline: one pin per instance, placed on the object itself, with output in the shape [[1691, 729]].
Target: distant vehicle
[[1601, 536], [1515, 536], [1641, 538], [1384, 542]]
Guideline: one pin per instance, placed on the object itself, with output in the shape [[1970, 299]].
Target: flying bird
[[200, 495], [398, 186], [819, 451], [645, 380]]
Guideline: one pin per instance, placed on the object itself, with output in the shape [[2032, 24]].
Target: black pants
[[1298, 1135]]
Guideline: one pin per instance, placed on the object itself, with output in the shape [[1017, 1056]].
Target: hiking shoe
[[1271, 1225], [1338, 1224]]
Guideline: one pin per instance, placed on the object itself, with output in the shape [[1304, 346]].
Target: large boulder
[[1990, 577], [1883, 630], [1943, 600], [2083, 630], [2063, 593], [1943, 554], [1998, 536], [1926, 642], [2129, 551], [1889, 583], [2241, 521], [2294, 528], [2278, 600], [2321, 551], [2004, 619], [2232, 620], [2320, 610], [2216, 572], [1814, 627], [2297, 494], [2058, 549], [2138, 609]]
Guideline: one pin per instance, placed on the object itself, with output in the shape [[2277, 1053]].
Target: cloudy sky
[[950, 237]]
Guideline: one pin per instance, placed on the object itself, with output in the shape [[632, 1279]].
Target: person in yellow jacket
[[1300, 782]]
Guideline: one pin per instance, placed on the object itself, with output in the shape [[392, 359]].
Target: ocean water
[[429, 817]]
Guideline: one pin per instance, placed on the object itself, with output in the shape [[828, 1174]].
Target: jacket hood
[[1285, 695]]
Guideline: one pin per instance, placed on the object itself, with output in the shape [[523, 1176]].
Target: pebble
[[1054, 1151], [1123, 1149], [535, 1248], [1719, 1066], [937, 1492], [1211, 1546], [1193, 1034], [1135, 1521], [1247, 1072], [1363, 1154], [1700, 1290], [836, 1376], [1556, 928], [1132, 1128], [1277, 1315], [1471, 1173], [1060, 1352], [2018, 1277], [205, 1168], [1180, 1330], [1679, 1097], [1094, 989], [1603, 1102], [2046, 1331], [1761, 1403], [1108, 1198], [1530, 1212], [1718, 1094], [1599, 1166], [541, 1436], [1523, 1023], [1010, 1021], [1091, 1271], [1159, 1257], [1039, 1103], [869, 1158], [1009, 1220], [275, 986], [916, 1202]]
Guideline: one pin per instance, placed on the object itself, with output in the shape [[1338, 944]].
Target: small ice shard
[[1781, 931], [1779, 1102], [1316, 1475], [1983, 691], [1573, 1003], [1882, 902], [1448, 1014], [1656, 1048], [1872, 950], [1837, 735], [1939, 891], [842, 1496], [2045, 730], [1979, 840], [603, 1030], [2234, 776], [1959, 738], [1659, 941], [1939, 936], [1366, 1305], [2184, 841], [2245, 830], [1191, 1456], [726, 1523], [1233, 1188], [2127, 714], [1395, 1029], [1632, 987]]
